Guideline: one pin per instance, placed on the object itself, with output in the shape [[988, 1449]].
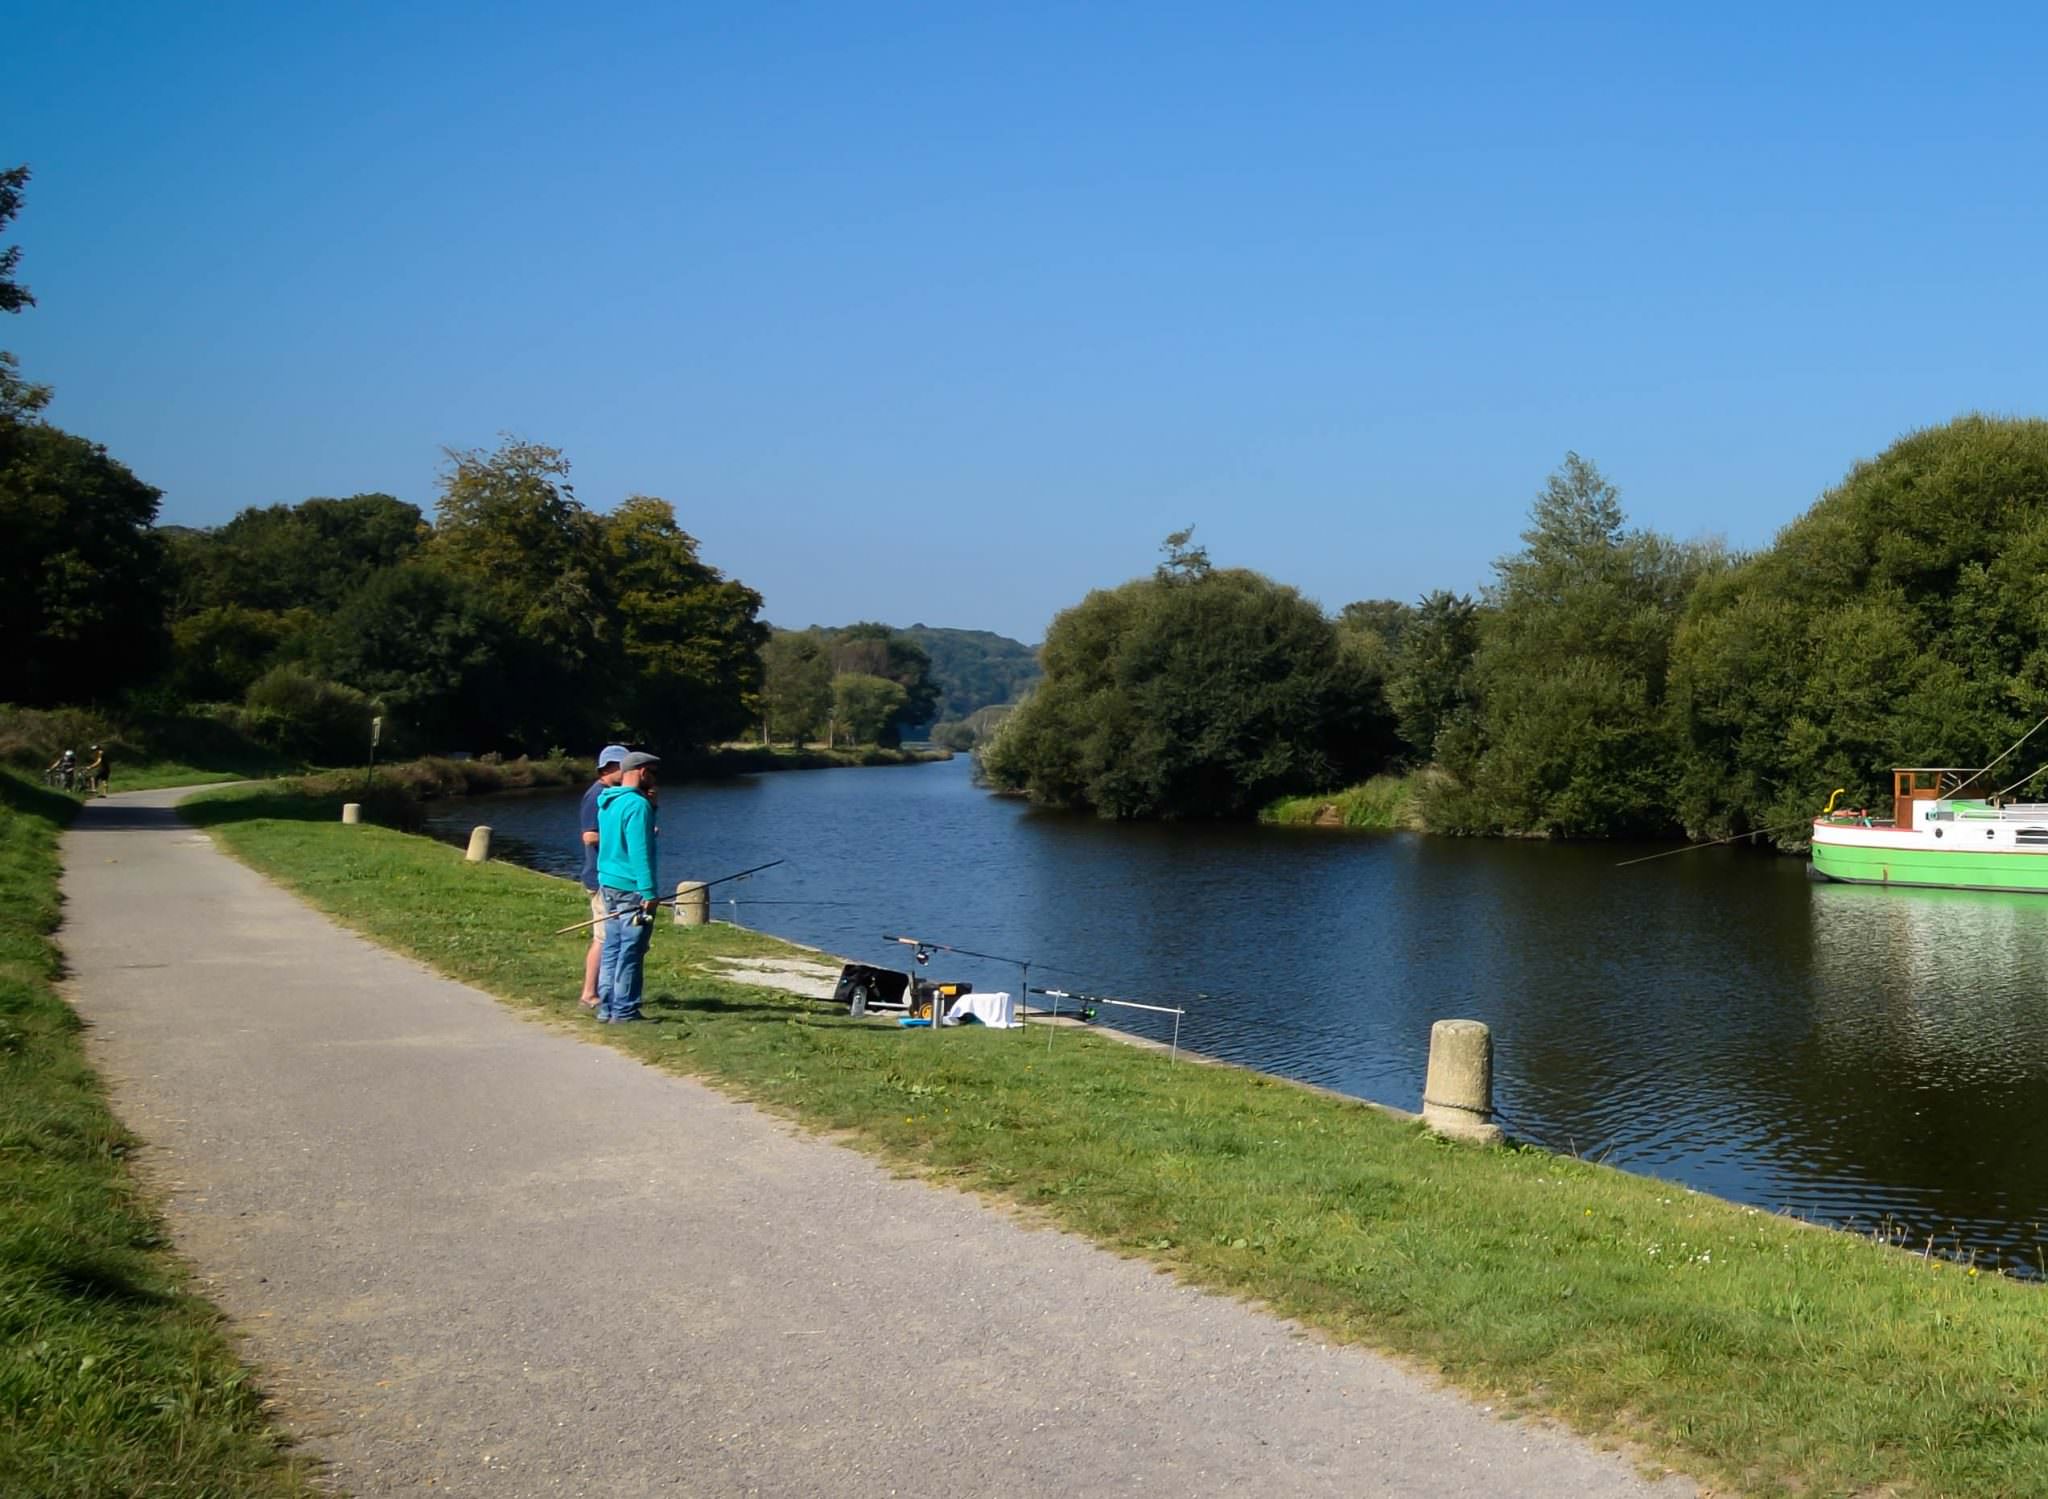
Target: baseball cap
[[611, 754], [637, 759]]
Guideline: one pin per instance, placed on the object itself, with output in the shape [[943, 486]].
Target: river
[[1873, 1059]]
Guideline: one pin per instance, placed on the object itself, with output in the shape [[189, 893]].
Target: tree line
[[1609, 681], [864, 684], [516, 618]]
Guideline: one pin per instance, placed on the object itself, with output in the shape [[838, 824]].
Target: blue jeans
[[621, 964]]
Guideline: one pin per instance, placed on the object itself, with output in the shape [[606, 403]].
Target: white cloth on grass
[[995, 1009]]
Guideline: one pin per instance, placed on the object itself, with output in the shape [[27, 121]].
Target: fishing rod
[[921, 951], [1056, 995], [669, 900], [921, 954]]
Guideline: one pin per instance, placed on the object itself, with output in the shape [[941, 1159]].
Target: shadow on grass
[[106, 1280], [386, 806], [19, 794], [670, 1006]]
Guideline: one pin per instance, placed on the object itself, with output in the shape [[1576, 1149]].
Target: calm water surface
[[1857, 1056]]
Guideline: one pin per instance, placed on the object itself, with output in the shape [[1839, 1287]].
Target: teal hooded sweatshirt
[[625, 841]]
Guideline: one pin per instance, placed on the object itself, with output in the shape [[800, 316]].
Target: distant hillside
[[975, 668]]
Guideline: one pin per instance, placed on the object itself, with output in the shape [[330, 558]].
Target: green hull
[[1946, 869]]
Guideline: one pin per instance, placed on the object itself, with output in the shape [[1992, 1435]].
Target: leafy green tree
[[1184, 562], [863, 705], [218, 653], [1429, 679], [81, 573], [1198, 692], [1569, 674], [796, 685], [1383, 620], [871, 649], [689, 639], [13, 295], [1900, 621], [307, 719], [510, 522], [310, 555], [19, 400], [434, 649]]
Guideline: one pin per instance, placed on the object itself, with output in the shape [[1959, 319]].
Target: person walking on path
[[625, 878], [608, 760]]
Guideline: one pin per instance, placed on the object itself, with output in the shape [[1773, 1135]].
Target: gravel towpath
[[478, 1256]]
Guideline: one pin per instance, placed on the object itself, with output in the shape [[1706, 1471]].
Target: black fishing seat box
[[863, 987]]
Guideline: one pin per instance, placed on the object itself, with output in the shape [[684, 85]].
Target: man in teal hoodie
[[625, 882]]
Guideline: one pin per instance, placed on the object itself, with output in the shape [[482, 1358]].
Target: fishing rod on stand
[[921, 954], [1056, 995]]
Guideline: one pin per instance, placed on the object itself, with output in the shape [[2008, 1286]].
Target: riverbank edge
[[1751, 1350], [115, 1377]]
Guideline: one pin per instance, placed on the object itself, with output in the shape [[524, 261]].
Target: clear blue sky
[[949, 312]]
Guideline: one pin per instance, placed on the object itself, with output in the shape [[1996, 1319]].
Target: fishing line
[[669, 900], [1670, 853], [2015, 785], [2013, 746]]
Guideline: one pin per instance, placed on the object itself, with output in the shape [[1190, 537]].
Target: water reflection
[[1842, 1052]]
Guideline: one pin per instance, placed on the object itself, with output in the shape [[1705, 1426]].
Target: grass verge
[[1751, 1351], [1384, 802], [113, 1378]]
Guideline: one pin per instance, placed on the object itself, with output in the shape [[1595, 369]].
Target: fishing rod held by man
[[669, 900]]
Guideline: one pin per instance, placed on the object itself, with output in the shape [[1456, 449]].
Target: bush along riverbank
[[1384, 803], [1754, 1352], [114, 1379]]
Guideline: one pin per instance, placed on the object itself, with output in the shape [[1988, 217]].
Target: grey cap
[[637, 759]]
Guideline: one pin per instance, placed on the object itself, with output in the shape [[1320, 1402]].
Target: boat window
[[2031, 835]]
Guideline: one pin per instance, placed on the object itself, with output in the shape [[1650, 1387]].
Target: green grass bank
[[1756, 1353], [114, 1379], [1385, 803]]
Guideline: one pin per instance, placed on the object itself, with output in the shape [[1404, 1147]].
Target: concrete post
[[1457, 1096], [479, 844], [352, 812], [693, 903]]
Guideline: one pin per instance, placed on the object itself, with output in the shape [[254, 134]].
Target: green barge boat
[[1937, 838]]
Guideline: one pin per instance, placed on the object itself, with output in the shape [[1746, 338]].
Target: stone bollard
[[693, 903], [351, 812], [479, 844], [1457, 1095]]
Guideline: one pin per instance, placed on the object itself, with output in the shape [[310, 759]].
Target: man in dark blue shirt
[[609, 759]]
